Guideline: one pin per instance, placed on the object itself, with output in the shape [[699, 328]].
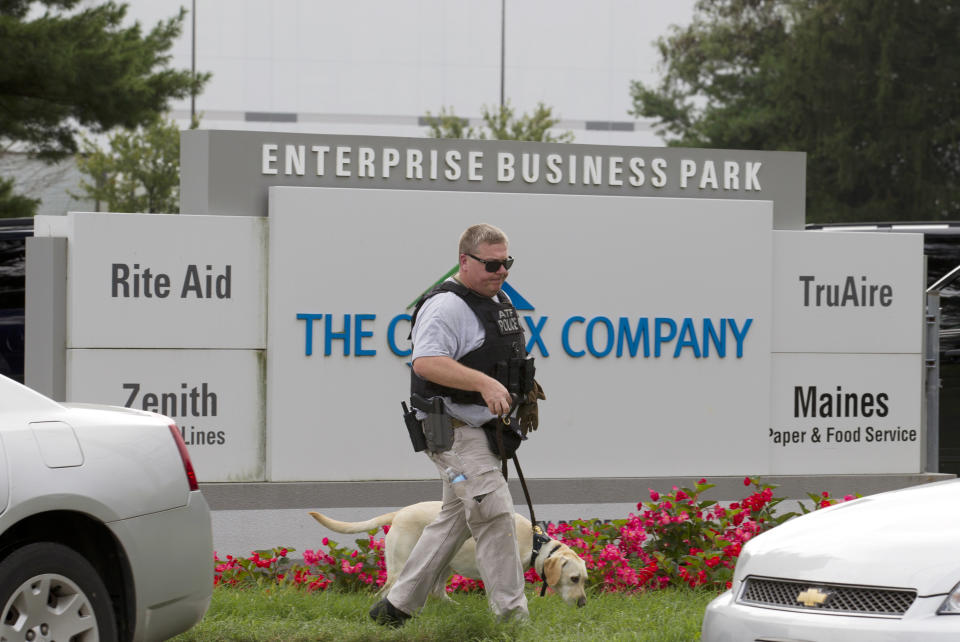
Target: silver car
[[104, 534]]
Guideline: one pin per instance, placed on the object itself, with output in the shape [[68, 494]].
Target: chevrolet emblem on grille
[[812, 597]]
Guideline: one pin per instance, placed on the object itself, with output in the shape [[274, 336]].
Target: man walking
[[468, 349]]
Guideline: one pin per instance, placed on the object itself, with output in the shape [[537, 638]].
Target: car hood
[[905, 539]]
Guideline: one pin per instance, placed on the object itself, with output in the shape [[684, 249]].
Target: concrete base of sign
[[253, 516]]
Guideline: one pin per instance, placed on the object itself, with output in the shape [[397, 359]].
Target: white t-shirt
[[447, 327]]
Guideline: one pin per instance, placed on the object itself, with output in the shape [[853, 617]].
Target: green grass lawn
[[289, 615]]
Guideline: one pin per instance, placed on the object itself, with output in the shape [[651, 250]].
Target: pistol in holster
[[435, 432], [414, 428]]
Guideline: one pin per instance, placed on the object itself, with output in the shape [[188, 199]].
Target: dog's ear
[[551, 569]]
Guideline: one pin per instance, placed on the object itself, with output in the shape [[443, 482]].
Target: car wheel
[[50, 592]]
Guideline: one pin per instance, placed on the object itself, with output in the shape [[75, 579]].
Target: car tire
[[56, 593]]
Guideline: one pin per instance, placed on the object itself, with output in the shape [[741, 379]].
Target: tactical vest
[[502, 355]]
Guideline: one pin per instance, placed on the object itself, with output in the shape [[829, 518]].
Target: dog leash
[[505, 421], [539, 537]]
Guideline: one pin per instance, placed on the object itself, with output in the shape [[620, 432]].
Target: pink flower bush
[[675, 539], [351, 570], [459, 583]]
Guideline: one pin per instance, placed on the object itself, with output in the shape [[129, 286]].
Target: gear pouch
[[509, 437]]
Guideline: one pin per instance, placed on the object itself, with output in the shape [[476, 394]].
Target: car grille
[[826, 598]]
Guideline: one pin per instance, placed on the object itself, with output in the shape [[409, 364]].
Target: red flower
[[620, 558]]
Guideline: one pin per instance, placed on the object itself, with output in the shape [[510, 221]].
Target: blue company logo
[[600, 336]]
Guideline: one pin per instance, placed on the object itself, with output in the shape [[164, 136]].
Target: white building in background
[[376, 67]]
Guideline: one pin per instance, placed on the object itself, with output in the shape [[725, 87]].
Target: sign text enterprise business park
[[348, 161]]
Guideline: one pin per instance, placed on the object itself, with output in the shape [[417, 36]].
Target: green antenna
[[443, 278]]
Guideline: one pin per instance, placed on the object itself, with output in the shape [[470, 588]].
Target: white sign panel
[[214, 396], [847, 292], [165, 281], [649, 321], [846, 413]]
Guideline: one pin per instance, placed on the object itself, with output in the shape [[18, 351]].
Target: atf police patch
[[508, 322]]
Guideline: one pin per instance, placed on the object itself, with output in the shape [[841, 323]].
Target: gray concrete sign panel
[[229, 172]]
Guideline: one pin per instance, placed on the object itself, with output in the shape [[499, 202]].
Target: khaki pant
[[489, 520]]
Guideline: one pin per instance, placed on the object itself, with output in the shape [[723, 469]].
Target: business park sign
[[679, 332], [226, 172]]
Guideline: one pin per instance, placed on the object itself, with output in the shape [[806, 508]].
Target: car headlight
[[951, 605]]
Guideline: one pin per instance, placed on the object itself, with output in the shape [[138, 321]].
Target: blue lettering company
[[598, 336]]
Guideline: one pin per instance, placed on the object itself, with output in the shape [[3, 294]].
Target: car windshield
[[943, 254], [12, 303]]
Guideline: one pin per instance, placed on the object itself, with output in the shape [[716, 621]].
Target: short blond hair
[[477, 235]]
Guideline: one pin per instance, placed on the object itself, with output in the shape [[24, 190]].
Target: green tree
[[500, 124], [71, 69], [140, 172], [868, 88], [15, 205]]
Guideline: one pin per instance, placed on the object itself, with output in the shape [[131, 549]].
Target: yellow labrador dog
[[564, 570]]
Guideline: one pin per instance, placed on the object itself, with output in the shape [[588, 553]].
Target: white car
[[883, 567], [104, 534]]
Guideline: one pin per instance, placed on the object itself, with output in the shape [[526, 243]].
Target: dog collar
[[539, 539]]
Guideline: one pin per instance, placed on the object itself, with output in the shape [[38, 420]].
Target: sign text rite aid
[[599, 335], [454, 165], [135, 282]]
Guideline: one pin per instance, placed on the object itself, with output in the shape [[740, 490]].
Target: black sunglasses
[[493, 266]]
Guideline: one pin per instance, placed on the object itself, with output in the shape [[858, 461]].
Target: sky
[[375, 66]]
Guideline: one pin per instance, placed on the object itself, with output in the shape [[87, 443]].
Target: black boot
[[385, 613]]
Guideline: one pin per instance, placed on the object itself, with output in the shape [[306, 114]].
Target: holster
[[437, 425]]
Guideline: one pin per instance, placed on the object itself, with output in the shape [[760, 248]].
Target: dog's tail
[[354, 527]]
